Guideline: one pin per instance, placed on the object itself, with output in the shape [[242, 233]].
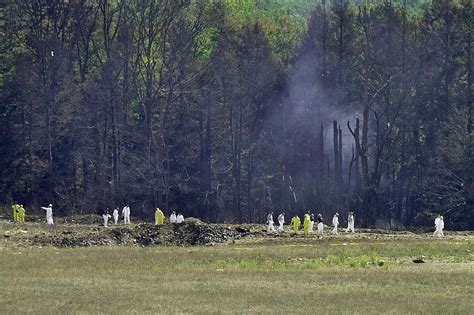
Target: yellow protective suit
[[21, 214], [159, 217], [296, 223], [15, 213], [306, 223]]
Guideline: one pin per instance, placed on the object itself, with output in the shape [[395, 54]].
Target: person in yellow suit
[[159, 217], [296, 223], [21, 214], [15, 212], [306, 223]]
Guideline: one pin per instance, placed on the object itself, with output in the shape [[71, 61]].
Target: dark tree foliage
[[226, 110]]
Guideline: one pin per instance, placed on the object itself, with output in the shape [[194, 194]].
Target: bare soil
[[87, 230]]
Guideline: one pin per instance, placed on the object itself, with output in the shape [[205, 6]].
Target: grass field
[[267, 275]]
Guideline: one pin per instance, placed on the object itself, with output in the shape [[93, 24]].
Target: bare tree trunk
[[206, 167], [320, 159], [365, 136], [336, 155], [341, 181], [325, 31], [340, 46]]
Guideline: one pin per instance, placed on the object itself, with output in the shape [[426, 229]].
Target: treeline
[[227, 109]]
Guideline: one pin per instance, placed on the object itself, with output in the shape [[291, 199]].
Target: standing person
[[179, 218], [335, 222], [296, 223], [311, 223], [320, 225], [173, 217], [49, 214], [441, 226], [281, 220], [126, 214], [106, 216], [21, 214], [306, 223], [15, 212], [270, 222], [350, 222], [159, 217], [115, 214], [436, 223]]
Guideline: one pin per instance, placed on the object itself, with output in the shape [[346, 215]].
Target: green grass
[[253, 276]]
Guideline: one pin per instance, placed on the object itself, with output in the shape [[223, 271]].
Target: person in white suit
[[350, 222], [441, 226], [436, 223], [115, 214], [173, 217], [281, 221], [49, 214], [270, 223], [335, 222], [106, 216], [126, 214]]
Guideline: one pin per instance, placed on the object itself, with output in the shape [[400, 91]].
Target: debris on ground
[[87, 231]]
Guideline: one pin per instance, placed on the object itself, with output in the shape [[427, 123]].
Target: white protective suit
[[270, 227], [49, 214], [350, 223], [173, 217], [436, 223], [126, 214], [106, 218], [115, 214], [180, 218], [441, 227], [320, 226], [311, 224], [281, 220], [335, 222]]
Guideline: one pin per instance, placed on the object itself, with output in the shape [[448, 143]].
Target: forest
[[226, 109]]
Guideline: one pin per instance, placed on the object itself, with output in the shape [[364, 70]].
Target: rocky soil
[[87, 230]]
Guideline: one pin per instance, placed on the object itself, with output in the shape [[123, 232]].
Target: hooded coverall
[[350, 223], [320, 225], [441, 227], [159, 216], [437, 220], [21, 214], [306, 223], [296, 223], [115, 214], [106, 218], [281, 220], [335, 222], [15, 213], [270, 222], [126, 214], [49, 215]]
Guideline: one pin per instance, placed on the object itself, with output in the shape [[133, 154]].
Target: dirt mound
[[68, 234], [187, 234]]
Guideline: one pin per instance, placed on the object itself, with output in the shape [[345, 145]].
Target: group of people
[[18, 213], [115, 215], [159, 216], [308, 223], [174, 218], [308, 220]]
